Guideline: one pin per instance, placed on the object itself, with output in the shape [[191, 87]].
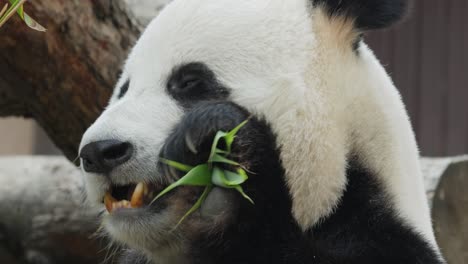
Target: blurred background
[[21, 136]]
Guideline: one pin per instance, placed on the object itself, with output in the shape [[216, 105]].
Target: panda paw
[[191, 140], [191, 143]]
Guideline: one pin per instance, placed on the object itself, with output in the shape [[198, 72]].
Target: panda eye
[[190, 83], [123, 89], [194, 82], [185, 84]]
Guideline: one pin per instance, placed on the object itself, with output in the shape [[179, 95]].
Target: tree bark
[[63, 78]]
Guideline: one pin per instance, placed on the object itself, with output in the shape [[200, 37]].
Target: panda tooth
[[137, 196], [121, 204], [109, 202]]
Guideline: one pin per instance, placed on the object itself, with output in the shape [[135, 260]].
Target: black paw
[[191, 140]]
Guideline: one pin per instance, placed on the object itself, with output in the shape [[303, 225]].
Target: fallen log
[[42, 215]]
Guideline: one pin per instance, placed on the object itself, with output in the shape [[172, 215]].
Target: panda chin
[[156, 228], [148, 228]]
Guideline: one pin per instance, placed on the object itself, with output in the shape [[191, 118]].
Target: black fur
[[194, 82], [368, 14], [357, 44], [364, 229]]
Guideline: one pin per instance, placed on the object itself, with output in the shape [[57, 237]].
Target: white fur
[[296, 68]]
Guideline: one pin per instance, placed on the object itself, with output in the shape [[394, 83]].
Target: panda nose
[[103, 156]]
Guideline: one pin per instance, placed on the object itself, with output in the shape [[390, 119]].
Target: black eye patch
[[123, 89], [194, 82]]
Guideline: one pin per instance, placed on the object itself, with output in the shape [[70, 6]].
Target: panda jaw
[[154, 231]]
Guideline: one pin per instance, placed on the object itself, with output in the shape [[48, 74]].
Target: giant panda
[[331, 156]]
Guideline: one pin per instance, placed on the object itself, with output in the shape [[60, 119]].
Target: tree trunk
[[63, 78]]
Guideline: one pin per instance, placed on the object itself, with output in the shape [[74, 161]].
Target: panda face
[[221, 50], [292, 62]]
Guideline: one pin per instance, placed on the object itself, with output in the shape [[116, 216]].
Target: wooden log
[[42, 215], [450, 212], [63, 78]]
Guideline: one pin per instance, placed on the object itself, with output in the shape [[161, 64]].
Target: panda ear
[[367, 14]]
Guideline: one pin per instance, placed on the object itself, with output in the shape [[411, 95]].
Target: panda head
[[296, 63]]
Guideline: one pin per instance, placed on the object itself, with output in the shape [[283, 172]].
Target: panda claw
[[190, 144]]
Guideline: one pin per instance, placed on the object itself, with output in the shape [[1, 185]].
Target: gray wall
[[427, 56]]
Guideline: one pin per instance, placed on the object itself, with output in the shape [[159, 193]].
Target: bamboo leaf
[[33, 23], [4, 9], [220, 151], [208, 175], [20, 10], [231, 135], [241, 191], [11, 10], [198, 176], [227, 179], [218, 136], [218, 178], [177, 165], [220, 159], [30, 22], [234, 178], [243, 173], [196, 205]]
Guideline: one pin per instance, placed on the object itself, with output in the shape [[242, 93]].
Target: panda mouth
[[130, 196]]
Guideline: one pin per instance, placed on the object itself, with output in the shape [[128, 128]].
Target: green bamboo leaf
[[11, 10], [208, 175], [220, 151], [231, 135], [218, 178], [20, 10], [14, 3], [243, 173], [234, 178], [220, 159], [196, 205], [33, 23], [177, 165], [241, 191], [30, 22], [226, 179], [219, 135], [198, 176]]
